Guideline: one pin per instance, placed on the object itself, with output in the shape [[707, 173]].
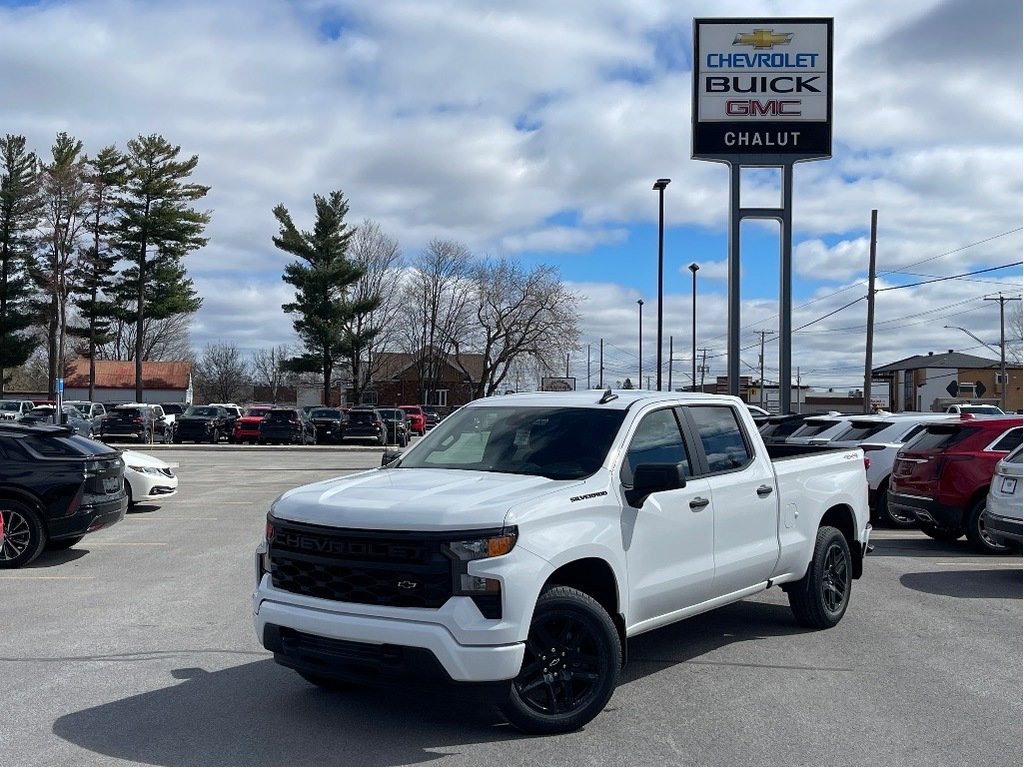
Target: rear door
[[744, 498]]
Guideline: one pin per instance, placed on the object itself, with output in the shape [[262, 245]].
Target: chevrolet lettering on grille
[[329, 546]]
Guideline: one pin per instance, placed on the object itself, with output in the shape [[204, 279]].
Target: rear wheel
[[979, 535], [940, 534], [570, 666], [820, 598], [24, 536]]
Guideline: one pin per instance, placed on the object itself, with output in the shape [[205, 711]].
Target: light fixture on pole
[[640, 345], [693, 352], [1002, 358], [660, 185]]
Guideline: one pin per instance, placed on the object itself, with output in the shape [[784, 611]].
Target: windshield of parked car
[[812, 428], [204, 412], [173, 408], [862, 430], [282, 415], [558, 443], [982, 410], [261, 412], [9, 405], [392, 413], [325, 413]]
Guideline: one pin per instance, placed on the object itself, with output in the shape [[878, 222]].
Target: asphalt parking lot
[[136, 647]]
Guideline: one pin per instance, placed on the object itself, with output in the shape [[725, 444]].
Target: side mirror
[[389, 456], [652, 478]]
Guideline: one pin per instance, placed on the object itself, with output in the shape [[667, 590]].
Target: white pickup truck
[[514, 550]]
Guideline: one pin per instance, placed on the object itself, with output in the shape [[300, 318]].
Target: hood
[[413, 499], [136, 459]]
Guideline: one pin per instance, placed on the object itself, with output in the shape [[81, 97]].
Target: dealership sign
[[762, 88]]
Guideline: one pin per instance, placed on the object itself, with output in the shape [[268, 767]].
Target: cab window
[[657, 440]]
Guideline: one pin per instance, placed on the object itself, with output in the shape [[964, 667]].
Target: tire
[[24, 535], [59, 544], [128, 493], [979, 536], [570, 667], [889, 516], [215, 437], [820, 598], [940, 534]]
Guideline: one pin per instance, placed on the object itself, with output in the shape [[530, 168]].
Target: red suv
[[942, 476], [417, 419]]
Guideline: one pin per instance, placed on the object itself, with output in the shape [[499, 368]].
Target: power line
[[951, 277]]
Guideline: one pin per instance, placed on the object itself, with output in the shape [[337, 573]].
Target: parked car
[[759, 415], [91, 410], [171, 413], [234, 414], [138, 421], [1004, 504], [781, 426], [524, 543], [45, 414], [431, 416], [978, 409], [202, 424], [818, 430], [288, 426], [365, 423], [397, 423], [55, 487], [417, 419], [247, 426], [943, 475], [12, 410], [329, 424], [881, 437], [147, 478]]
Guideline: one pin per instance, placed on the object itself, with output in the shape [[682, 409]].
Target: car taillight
[[376, 423], [137, 420], [294, 422]]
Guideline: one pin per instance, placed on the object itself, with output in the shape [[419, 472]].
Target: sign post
[[762, 97]]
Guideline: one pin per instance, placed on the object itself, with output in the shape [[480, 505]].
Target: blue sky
[[535, 130]]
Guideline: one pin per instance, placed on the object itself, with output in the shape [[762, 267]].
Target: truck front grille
[[400, 569]]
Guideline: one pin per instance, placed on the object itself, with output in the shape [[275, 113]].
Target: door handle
[[764, 491], [698, 503]]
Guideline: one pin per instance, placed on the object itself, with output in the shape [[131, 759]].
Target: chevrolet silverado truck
[[515, 550]]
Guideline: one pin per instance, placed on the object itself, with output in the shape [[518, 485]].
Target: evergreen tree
[[322, 280], [63, 194], [156, 228], [93, 274], [19, 213]]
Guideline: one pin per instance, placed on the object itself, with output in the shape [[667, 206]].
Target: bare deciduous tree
[[435, 298], [163, 339], [381, 258], [1014, 332], [268, 368], [519, 315], [221, 374]]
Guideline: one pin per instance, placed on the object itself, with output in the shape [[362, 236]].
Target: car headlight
[[146, 470], [466, 550]]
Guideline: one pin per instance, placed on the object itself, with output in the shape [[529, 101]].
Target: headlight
[[146, 470], [490, 546]]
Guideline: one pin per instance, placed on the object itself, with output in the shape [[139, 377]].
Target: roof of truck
[[618, 399]]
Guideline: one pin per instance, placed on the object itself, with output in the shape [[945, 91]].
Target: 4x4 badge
[[407, 585]]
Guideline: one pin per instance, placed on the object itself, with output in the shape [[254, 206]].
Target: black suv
[[203, 424], [288, 426], [329, 424], [55, 487], [141, 422], [365, 423]]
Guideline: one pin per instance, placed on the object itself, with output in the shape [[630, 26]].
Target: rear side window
[[862, 430], [939, 437], [1009, 441], [721, 436], [812, 428]]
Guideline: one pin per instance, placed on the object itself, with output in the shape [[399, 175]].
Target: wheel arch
[[594, 577], [842, 518]]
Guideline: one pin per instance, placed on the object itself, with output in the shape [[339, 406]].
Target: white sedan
[[147, 478]]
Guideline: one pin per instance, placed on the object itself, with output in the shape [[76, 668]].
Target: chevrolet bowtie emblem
[[763, 38], [406, 585]]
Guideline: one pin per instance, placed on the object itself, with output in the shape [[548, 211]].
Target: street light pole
[[693, 336], [640, 345], [660, 185], [1001, 352]]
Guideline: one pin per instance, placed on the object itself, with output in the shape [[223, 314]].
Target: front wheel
[[570, 667], [979, 535], [820, 598]]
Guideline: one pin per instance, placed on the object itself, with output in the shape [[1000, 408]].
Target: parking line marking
[[27, 577], [985, 564], [169, 519], [127, 544]]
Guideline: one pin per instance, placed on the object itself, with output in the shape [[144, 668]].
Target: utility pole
[[1002, 345], [761, 382], [669, 363], [600, 367], [703, 366], [588, 366], [871, 313], [797, 389]]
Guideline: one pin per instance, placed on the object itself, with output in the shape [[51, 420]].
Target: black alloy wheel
[[820, 598], [24, 535], [570, 666]]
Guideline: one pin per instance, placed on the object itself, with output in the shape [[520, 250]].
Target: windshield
[[202, 412], [325, 413], [982, 410], [261, 412], [558, 443], [7, 405], [812, 428]]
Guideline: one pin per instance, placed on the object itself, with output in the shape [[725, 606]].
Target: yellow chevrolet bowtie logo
[[763, 38]]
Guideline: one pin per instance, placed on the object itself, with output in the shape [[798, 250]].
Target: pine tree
[[19, 213], [156, 228], [322, 280], [93, 274]]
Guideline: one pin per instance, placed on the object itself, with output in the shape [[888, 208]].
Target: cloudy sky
[[535, 130]]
